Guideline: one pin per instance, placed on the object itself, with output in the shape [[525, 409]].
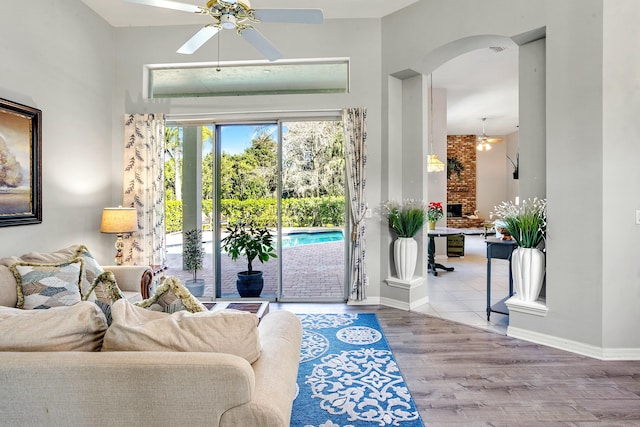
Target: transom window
[[248, 78]]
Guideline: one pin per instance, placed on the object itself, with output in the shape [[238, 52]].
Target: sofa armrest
[[275, 371], [133, 278]]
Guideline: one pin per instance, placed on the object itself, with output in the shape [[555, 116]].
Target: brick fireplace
[[462, 190]]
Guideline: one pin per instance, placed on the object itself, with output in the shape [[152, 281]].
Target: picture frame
[[20, 164]]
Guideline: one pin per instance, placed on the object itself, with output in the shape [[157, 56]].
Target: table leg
[[431, 251], [431, 258], [488, 287]]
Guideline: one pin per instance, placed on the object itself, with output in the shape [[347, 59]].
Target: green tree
[[313, 159], [173, 149]]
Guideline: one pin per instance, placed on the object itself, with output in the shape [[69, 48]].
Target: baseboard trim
[[368, 301], [401, 305], [575, 346]]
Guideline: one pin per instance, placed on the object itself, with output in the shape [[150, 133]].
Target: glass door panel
[[313, 211], [248, 194]]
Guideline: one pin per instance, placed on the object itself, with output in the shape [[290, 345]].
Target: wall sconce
[[119, 221]]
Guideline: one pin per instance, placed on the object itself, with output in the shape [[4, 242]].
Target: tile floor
[[461, 295]]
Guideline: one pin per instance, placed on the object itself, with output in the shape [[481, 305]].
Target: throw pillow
[[42, 286], [104, 291], [79, 327], [92, 269], [172, 296], [225, 331]]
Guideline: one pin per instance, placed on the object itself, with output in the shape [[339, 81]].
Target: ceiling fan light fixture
[[228, 21], [483, 146]]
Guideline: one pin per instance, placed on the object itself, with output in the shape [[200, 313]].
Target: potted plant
[[405, 219], [434, 214], [527, 225], [252, 243], [516, 165], [454, 165], [192, 257]]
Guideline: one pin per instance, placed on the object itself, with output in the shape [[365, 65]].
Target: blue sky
[[237, 138]]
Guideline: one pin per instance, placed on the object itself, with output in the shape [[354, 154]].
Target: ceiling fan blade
[[260, 42], [291, 16], [168, 4], [199, 38], [494, 140]]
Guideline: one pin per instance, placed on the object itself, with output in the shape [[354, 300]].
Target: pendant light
[[433, 163]]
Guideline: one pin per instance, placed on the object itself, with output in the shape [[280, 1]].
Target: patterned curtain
[[144, 187], [355, 132]]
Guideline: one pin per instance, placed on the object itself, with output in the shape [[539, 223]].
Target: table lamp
[[119, 221]]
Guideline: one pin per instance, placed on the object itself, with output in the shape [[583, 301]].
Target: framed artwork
[[20, 164]]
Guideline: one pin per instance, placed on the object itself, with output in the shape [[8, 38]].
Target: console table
[[431, 247], [498, 249]]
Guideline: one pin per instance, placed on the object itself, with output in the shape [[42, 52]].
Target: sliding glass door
[[285, 176]]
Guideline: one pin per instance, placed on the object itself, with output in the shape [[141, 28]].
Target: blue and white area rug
[[348, 376]]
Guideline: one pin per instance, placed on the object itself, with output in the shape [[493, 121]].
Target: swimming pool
[[289, 240]]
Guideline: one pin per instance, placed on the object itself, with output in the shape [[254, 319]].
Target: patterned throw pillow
[[41, 286], [172, 296], [104, 291], [92, 269]]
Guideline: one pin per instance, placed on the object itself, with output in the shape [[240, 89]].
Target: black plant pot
[[249, 285], [515, 174]]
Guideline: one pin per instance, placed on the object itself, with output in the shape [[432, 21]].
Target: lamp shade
[[434, 164], [119, 220]]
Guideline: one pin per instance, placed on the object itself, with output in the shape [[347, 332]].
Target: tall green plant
[[406, 218], [526, 223], [192, 251]]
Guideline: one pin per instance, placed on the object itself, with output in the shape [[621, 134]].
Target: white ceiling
[[481, 83]]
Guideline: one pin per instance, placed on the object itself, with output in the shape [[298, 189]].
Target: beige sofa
[[155, 388], [150, 388]]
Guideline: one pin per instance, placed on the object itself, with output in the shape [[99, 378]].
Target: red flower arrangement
[[434, 211]]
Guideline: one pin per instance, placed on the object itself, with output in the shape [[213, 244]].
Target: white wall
[[491, 178], [621, 174], [58, 59], [582, 191]]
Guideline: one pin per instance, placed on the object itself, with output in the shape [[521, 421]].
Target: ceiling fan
[[483, 142], [238, 15]]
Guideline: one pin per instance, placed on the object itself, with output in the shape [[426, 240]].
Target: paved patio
[[312, 271]]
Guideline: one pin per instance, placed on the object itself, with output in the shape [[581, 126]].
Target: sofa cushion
[[79, 327], [47, 285], [226, 331], [172, 296]]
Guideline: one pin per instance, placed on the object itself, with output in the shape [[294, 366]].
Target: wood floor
[[460, 375]]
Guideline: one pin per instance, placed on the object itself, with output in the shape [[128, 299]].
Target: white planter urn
[[405, 255], [527, 268]]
